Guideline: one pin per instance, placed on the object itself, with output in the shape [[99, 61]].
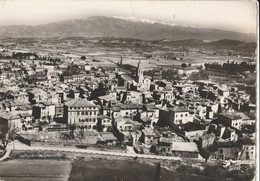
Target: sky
[[235, 15]]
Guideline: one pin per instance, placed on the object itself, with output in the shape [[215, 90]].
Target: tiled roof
[[179, 109], [79, 103], [185, 146]]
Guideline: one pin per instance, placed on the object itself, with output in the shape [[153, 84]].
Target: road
[[20, 146]]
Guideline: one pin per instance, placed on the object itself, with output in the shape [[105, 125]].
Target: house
[[124, 124], [13, 119], [167, 95], [105, 122], [230, 134], [50, 109], [175, 115], [136, 135], [125, 81], [223, 91], [21, 97], [193, 131], [185, 149], [108, 138], [230, 119], [248, 151], [80, 111], [106, 99], [129, 110], [148, 136], [37, 95], [145, 83], [39, 111], [207, 140], [132, 97], [59, 111], [44, 111], [163, 146], [26, 120], [245, 119], [217, 129], [226, 151]]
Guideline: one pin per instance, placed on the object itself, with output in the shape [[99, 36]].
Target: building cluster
[[82, 102]]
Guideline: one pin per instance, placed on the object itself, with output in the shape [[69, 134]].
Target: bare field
[[25, 169], [100, 170]]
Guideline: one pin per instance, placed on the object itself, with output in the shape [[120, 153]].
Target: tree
[[183, 65], [83, 58], [46, 71], [3, 134], [72, 129]]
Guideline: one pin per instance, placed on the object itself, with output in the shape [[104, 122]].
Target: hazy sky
[[229, 15]]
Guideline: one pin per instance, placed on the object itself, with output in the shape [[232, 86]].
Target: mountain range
[[101, 26]]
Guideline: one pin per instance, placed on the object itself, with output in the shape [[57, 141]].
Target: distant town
[[161, 98]]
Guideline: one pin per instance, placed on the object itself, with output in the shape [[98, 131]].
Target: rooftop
[[185, 146], [79, 103]]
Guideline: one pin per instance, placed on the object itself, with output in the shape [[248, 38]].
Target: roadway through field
[[19, 146]]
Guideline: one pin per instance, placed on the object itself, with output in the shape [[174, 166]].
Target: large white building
[[82, 112]]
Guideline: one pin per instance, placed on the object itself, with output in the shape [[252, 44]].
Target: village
[[81, 102]]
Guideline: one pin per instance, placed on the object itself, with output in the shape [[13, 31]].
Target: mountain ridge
[[102, 26]]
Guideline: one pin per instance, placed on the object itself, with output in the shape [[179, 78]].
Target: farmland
[[45, 170]]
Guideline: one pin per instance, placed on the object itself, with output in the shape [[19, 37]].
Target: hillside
[[120, 28]]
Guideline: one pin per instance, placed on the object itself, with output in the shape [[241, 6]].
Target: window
[[90, 113], [82, 113], [78, 113], [181, 115], [186, 115]]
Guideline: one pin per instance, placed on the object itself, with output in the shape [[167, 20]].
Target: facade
[[230, 120], [226, 151], [185, 149], [81, 112], [176, 115], [248, 152]]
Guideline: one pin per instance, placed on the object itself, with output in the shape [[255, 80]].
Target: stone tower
[[139, 73]]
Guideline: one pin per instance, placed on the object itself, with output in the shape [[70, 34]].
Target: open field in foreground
[[25, 169], [104, 170]]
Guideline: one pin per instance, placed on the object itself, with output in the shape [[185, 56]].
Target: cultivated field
[[102, 170], [25, 169]]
